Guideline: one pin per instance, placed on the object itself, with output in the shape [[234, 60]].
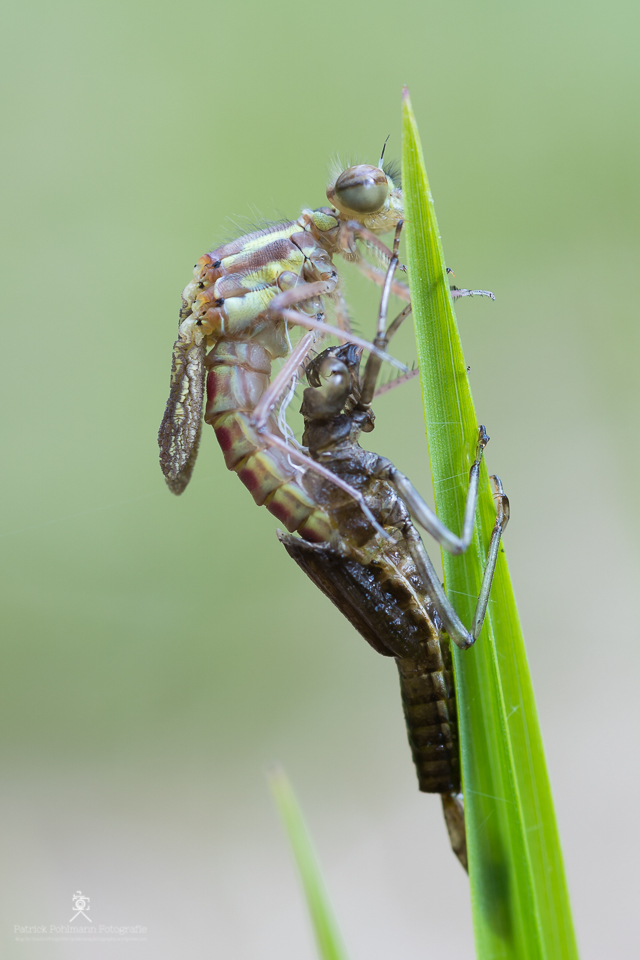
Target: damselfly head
[[367, 194]]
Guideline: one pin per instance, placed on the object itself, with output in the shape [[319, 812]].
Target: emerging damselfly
[[245, 299], [384, 582]]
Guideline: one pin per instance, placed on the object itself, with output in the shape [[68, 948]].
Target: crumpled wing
[[179, 433]]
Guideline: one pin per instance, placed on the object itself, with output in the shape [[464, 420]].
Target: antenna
[[384, 145]]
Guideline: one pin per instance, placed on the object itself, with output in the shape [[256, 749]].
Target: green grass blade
[[519, 896], [330, 946]]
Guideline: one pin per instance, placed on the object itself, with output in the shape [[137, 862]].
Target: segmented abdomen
[[239, 374], [428, 699]]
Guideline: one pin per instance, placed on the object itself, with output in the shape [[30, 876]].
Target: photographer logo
[[81, 931], [80, 905]]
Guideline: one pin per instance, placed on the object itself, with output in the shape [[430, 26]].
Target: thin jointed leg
[[450, 619], [425, 515]]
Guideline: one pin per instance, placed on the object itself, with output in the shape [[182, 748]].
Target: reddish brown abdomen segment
[[239, 374], [428, 700]]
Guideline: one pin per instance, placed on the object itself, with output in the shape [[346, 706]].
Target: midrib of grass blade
[[519, 897], [325, 927]]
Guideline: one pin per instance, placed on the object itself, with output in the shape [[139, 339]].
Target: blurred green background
[[160, 652]]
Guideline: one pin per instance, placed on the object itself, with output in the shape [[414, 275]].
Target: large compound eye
[[362, 188]]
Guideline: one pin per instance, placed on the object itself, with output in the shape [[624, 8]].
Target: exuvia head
[[334, 387], [332, 377]]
